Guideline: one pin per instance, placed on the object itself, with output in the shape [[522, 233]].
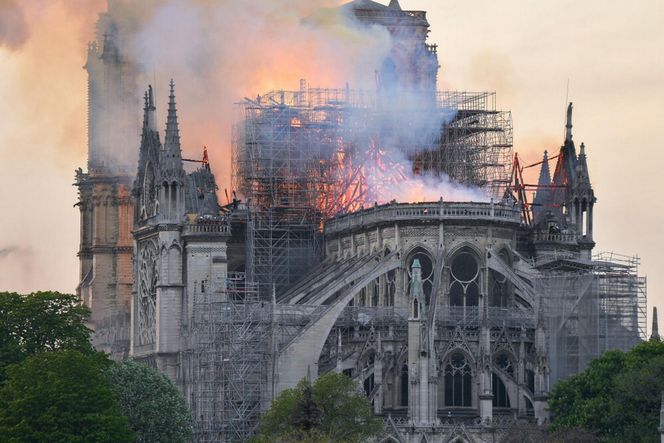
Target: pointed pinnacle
[[150, 97], [568, 126]]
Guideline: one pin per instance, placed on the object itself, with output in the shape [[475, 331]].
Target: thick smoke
[[220, 51], [13, 27]]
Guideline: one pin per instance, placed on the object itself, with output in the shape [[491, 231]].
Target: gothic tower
[[563, 206], [105, 251], [177, 228]]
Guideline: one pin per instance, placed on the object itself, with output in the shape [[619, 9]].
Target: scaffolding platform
[[300, 157]]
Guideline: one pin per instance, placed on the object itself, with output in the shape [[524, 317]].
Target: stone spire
[[172, 137], [655, 329], [110, 51], [545, 173], [417, 290], [543, 195], [568, 125], [582, 175], [149, 111]]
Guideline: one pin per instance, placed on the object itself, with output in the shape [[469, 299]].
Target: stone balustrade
[[438, 211]]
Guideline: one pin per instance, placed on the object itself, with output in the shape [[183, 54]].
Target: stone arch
[[464, 351], [460, 248], [300, 356], [413, 249], [510, 388], [464, 290], [503, 250]]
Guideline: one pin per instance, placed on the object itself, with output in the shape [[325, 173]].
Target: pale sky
[[610, 52]]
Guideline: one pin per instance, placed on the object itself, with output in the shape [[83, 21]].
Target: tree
[[39, 322], [155, 408], [60, 396], [330, 410], [617, 397]]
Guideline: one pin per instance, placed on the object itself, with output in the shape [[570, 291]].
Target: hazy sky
[[609, 51]]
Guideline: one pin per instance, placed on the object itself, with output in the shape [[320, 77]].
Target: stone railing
[[455, 420], [547, 237], [439, 211], [214, 227]]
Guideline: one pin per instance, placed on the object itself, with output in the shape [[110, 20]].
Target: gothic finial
[[583, 149], [150, 96], [655, 329], [148, 116], [172, 136], [568, 126]]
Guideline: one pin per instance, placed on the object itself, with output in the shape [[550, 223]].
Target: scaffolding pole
[[226, 365], [598, 307], [301, 157]]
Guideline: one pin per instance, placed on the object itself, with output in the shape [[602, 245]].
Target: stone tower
[[564, 203], [105, 251], [177, 227], [412, 64]]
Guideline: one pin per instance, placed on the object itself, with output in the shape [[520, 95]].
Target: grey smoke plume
[[220, 51], [13, 26]]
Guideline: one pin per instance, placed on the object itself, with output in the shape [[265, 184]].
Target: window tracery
[[148, 277], [464, 280], [458, 381]]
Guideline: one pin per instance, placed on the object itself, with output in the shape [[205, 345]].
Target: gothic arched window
[[148, 280], [458, 381], [464, 280]]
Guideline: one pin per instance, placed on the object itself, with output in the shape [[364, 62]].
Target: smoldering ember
[[383, 232]]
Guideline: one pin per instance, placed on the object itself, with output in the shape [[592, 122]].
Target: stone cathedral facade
[[454, 318]]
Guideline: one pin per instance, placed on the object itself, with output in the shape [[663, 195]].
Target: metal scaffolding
[[597, 307], [475, 146], [225, 368], [623, 299], [300, 157]]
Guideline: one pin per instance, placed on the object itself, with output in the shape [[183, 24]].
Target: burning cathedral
[[454, 316]]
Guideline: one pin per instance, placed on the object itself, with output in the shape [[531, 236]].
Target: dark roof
[[201, 193]]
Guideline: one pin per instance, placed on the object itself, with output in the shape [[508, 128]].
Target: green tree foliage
[[40, 322], [532, 433], [330, 410], [156, 410], [60, 397], [617, 397]]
